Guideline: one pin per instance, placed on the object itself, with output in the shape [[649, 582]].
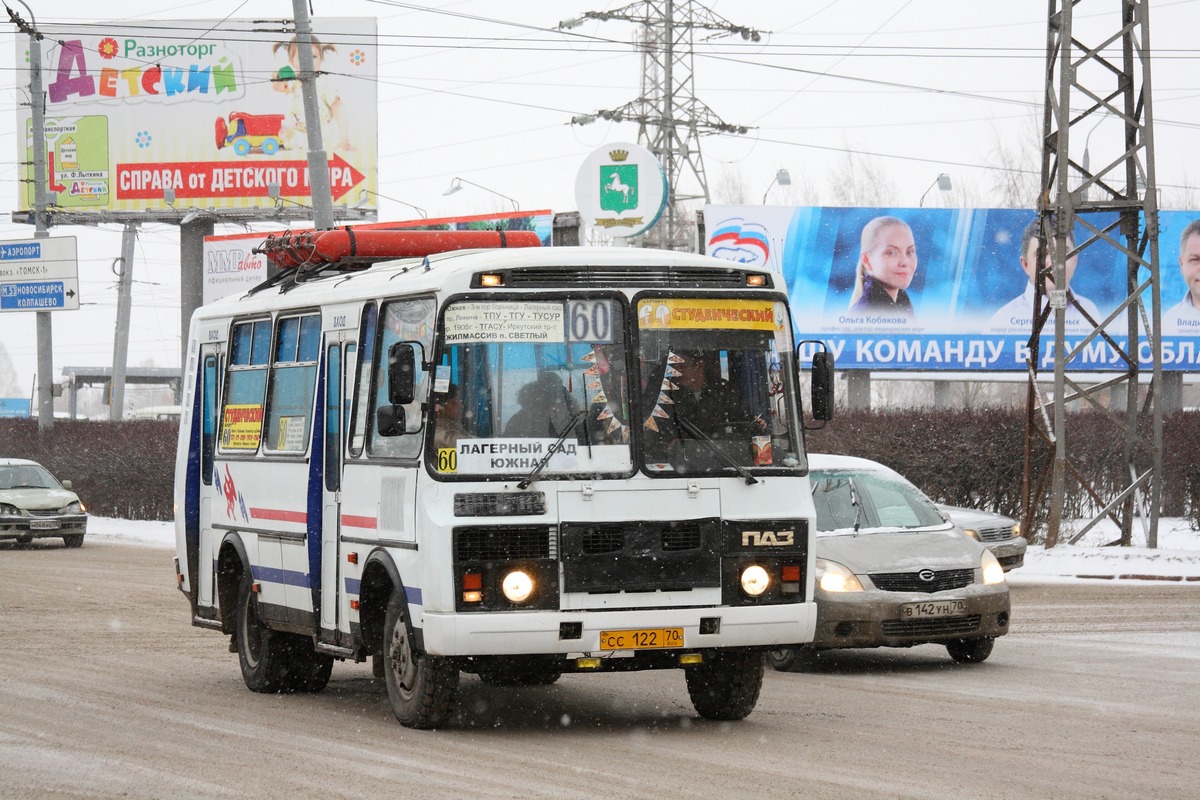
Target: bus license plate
[[933, 608], [642, 639]]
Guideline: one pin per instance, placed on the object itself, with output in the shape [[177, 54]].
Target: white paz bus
[[515, 462]]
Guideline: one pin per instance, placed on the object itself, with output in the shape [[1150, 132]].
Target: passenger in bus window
[[546, 409], [449, 425], [887, 263]]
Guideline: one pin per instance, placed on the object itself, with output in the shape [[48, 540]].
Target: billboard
[[198, 114], [231, 266], [947, 289]]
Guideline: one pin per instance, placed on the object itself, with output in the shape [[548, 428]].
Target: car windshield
[[27, 476], [847, 500]]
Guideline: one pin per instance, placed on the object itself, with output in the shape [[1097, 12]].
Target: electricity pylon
[[1102, 83], [670, 118]]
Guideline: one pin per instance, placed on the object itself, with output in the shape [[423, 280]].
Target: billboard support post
[[318, 162]]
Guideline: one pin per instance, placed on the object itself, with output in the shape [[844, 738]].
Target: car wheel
[[74, 540], [971, 651], [727, 687], [791, 659], [421, 688], [261, 651]]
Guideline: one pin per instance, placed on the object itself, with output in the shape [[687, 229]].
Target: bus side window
[[402, 321], [246, 387], [208, 417], [362, 381], [293, 383]]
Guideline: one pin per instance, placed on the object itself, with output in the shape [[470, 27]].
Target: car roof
[[825, 461], [18, 462]]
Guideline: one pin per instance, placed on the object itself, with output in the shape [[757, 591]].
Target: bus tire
[[421, 688], [262, 652], [727, 687]]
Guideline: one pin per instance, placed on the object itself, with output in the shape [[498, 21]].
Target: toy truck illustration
[[250, 132]]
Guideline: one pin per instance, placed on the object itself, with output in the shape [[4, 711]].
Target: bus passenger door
[[339, 362], [208, 384]]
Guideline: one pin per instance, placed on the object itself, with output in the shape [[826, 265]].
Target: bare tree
[[859, 180], [1016, 164], [8, 375]]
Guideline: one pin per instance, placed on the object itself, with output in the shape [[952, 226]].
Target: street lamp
[[942, 182], [782, 178], [457, 184]]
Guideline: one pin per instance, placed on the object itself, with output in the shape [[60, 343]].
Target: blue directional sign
[[38, 296], [39, 274]]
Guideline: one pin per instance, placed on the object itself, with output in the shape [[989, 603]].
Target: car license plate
[[933, 608], [642, 639], [43, 524]]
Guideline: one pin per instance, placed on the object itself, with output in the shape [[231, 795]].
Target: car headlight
[[833, 577], [1016, 530], [12, 511], [75, 508], [993, 573], [972, 533]]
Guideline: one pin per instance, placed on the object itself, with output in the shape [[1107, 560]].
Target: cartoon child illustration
[[287, 81]]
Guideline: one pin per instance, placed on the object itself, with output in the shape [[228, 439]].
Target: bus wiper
[[708, 442], [544, 460]]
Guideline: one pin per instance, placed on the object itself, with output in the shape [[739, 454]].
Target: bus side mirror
[[822, 385], [402, 376], [389, 420]]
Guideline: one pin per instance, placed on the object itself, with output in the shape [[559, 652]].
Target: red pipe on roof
[[329, 247]]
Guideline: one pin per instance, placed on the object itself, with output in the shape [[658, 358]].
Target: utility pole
[[1098, 85], [41, 230], [116, 406], [670, 117], [318, 161]]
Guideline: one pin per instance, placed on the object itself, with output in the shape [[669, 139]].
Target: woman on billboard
[[887, 263]]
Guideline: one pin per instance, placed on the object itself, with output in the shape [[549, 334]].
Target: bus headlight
[[517, 586], [755, 580]]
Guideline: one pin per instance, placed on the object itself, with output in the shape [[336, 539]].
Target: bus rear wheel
[[421, 688], [727, 686], [261, 651]]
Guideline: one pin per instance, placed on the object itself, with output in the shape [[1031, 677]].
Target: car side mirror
[[66, 485], [389, 420]]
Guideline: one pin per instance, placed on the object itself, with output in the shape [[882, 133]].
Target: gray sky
[[486, 91]]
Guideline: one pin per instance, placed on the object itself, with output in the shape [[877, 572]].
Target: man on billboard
[[1184, 316], [887, 263], [1017, 314]]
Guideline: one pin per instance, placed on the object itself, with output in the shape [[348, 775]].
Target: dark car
[[33, 504], [891, 571]]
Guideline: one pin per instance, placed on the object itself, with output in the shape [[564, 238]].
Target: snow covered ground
[[1176, 560]]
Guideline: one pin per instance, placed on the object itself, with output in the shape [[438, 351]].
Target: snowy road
[[106, 691]]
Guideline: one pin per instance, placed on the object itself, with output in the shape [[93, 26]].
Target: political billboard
[[949, 289], [198, 114]]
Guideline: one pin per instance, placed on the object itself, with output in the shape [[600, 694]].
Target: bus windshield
[[716, 385], [514, 377], [702, 389]]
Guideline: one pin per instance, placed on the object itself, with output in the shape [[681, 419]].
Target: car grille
[[47, 512], [937, 626], [911, 582], [996, 534]]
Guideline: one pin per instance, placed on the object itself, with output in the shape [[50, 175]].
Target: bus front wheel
[[727, 686], [421, 688], [260, 649]]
